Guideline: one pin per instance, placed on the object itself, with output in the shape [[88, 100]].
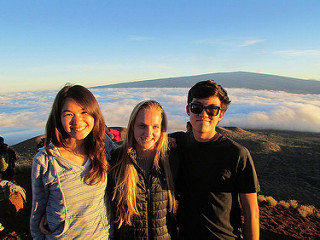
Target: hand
[[176, 205], [172, 142], [43, 226]]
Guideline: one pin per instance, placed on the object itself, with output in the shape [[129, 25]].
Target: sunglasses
[[211, 110]]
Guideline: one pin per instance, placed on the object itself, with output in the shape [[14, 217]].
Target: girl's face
[[147, 129], [75, 120]]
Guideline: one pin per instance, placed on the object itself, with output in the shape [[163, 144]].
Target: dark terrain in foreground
[[288, 167]]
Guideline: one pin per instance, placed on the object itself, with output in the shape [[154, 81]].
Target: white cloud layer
[[23, 114]]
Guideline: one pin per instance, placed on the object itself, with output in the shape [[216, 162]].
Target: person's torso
[[208, 203], [155, 221], [75, 210]]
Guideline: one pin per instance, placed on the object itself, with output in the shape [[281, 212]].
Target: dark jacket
[[155, 220], [10, 158]]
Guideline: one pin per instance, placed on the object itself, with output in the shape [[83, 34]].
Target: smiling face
[[75, 120], [203, 125], [147, 130]]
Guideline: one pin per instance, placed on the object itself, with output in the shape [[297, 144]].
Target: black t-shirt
[[212, 174]]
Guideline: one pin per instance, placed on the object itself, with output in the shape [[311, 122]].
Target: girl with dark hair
[[141, 183], [69, 175]]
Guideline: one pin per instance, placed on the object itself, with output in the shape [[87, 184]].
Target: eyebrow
[[142, 123], [67, 110]]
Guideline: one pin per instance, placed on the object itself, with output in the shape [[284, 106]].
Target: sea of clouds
[[24, 114]]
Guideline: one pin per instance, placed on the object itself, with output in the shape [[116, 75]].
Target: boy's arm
[[250, 208]]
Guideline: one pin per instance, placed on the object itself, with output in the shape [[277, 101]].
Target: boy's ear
[[188, 110], [221, 115]]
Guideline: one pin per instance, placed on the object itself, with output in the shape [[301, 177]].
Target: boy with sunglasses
[[216, 173]]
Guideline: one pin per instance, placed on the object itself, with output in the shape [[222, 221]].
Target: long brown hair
[[94, 142], [125, 174]]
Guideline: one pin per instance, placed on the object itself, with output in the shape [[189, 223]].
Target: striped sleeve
[[39, 195]]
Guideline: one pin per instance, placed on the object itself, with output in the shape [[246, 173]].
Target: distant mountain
[[248, 80]]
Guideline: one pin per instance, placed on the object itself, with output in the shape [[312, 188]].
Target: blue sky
[[45, 44]]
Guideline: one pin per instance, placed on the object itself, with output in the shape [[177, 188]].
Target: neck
[[77, 147], [145, 153], [205, 137], [75, 152]]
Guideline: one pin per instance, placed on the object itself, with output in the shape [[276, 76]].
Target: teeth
[[80, 129], [147, 140]]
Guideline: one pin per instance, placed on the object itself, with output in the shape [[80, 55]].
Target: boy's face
[[203, 124]]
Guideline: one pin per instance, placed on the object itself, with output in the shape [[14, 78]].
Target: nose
[[148, 131], [203, 113], [75, 119]]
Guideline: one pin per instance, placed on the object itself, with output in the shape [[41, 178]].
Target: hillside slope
[[248, 80]]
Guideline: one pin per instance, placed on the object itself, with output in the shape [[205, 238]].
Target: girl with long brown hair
[[69, 175], [141, 182]]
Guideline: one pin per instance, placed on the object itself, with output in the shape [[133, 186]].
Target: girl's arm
[[110, 146], [39, 195]]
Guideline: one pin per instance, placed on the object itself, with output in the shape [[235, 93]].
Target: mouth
[[78, 129], [146, 140], [202, 120]]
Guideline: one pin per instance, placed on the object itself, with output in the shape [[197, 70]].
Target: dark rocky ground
[[288, 167], [287, 163]]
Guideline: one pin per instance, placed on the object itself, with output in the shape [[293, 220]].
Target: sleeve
[[110, 146], [112, 206], [178, 140], [13, 154], [174, 161], [247, 179], [39, 195]]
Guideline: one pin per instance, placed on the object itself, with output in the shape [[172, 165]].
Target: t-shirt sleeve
[[247, 180], [174, 161]]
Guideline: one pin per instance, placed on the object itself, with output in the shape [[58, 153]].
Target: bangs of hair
[[204, 92], [84, 98]]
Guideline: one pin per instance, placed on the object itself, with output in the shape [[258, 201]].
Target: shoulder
[[110, 146], [116, 153], [42, 157], [41, 154], [226, 148], [182, 137], [179, 134], [4, 148], [232, 145], [11, 151]]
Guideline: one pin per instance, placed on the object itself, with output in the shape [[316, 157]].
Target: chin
[[147, 148], [203, 129], [80, 136]]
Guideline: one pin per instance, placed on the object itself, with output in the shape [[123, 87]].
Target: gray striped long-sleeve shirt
[[74, 209]]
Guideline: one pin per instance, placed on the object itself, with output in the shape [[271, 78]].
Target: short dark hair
[[1, 140], [208, 88]]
